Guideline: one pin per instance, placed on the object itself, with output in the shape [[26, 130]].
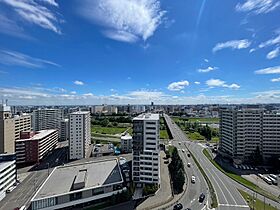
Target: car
[[189, 155], [207, 144], [193, 179], [189, 164], [178, 206], [183, 150], [201, 197]]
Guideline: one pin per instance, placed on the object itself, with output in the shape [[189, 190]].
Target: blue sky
[[132, 51]]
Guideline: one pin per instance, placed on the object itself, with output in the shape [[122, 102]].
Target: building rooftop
[[126, 137], [39, 135], [94, 174], [81, 112], [147, 116]]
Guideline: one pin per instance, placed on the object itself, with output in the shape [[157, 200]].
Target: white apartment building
[[80, 135], [7, 176], [43, 119], [242, 130], [126, 143], [145, 150], [22, 123], [64, 130]]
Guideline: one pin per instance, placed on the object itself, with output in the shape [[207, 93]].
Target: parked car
[[193, 179], [189, 154], [189, 164], [178, 206], [166, 161], [201, 197]]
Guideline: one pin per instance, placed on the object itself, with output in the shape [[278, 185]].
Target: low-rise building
[[33, 146], [75, 184], [126, 143]]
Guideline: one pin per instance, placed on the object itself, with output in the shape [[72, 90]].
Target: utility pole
[[263, 202]]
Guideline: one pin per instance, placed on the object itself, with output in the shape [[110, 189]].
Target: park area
[[199, 129]]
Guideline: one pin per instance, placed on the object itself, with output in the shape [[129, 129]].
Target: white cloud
[[273, 54], [73, 92], [88, 94], [270, 42], [221, 83], [146, 94], [208, 69], [275, 80], [233, 44], [77, 82], [35, 13], [197, 83], [124, 20], [215, 83], [270, 70], [206, 60], [258, 6], [252, 50], [50, 2], [13, 58], [177, 86]]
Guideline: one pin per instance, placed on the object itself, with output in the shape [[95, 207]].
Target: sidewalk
[[164, 194]]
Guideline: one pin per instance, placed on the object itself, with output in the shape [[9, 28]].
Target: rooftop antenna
[[6, 102]]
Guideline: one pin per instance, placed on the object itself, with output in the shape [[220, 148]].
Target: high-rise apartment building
[[43, 119], [64, 130], [243, 131], [145, 149], [22, 124], [7, 130], [80, 136]]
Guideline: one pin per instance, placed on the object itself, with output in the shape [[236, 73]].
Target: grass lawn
[[195, 136], [204, 120], [240, 179], [214, 140], [163, 134], [107, 130], [259, 205]]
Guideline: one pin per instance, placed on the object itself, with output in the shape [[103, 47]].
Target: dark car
[[189, 154], [201, 197], [178, 206]]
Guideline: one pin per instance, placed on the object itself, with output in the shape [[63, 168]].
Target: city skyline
[[100, 52]]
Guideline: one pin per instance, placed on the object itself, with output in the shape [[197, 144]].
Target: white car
[[189, 164], [193, 179], [183, 150]]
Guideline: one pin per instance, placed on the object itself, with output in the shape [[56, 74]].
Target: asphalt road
[[190, 197], [226, 189]]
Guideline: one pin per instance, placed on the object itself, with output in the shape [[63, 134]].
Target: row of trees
[[111, 121], [177, 172]]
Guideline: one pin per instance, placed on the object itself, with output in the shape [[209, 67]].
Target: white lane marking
[[225, 187], [242, 206]]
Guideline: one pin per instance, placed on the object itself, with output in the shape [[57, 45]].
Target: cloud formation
[[258, 6], [220, 83], [233, 44], [273, 54], [13, 58], [275, 80], [77, 82], [36, 13], [124, 20], [208, 69], [270, 70], [177, 86]]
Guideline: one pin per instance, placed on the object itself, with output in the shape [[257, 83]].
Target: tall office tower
[[145, 150], [22, 123], [43, 119], [244, 130], [64, 130], [7, 130], [80, 136]]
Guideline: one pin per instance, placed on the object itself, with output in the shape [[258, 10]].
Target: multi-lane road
[[226, 189]]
